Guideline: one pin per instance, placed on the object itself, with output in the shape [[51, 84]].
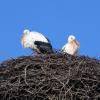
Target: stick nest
[[50, 77]]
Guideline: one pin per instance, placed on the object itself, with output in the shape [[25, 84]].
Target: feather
[[44, 47]]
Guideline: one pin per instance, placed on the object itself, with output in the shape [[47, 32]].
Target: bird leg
[[36, 51]]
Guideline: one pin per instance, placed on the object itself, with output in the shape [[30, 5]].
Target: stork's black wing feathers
[[48, 40], [44, 47]]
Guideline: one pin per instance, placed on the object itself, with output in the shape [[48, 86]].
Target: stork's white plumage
[[36, 41], [72, 46]]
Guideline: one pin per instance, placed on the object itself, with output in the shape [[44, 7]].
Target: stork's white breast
[[70, 49]]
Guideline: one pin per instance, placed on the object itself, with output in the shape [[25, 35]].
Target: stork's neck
[[74, 43], [71, 42], [26, 34]]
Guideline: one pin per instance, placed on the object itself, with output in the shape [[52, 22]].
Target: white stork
[[36, 41], [71, 47]]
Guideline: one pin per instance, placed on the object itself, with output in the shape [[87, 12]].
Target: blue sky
[[56, 19]]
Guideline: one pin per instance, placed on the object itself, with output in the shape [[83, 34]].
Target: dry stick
[[29, 91], [58, 80], [43, 70], [26, 73], [69, 89], [60, 83], [19, 65], [65, 91], [79, 65]]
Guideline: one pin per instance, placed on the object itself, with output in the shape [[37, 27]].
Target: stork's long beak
[[77, 43]]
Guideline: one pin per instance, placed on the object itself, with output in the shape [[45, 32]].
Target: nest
[[50, 77]]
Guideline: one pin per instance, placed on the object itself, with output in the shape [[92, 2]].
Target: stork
[[36, 41], [71, 47]]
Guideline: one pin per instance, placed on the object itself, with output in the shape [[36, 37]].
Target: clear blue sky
[[56, 19]]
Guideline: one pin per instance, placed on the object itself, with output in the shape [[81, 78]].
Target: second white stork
[[71, 47]]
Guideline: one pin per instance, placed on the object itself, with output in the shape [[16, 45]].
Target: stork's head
[[26, 32], [71, 38]]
